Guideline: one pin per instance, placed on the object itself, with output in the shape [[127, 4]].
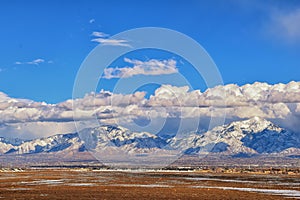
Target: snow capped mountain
[[258, 135], [9, 143], [5, 145], [252, 136], [50, 144], [255, 135], [106, 135]]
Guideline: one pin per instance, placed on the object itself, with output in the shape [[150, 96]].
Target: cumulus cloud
[[279, 103], [150, 67]]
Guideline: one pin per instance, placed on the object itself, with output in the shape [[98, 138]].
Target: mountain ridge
[[252, 136]]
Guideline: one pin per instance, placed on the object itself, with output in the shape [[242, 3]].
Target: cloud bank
[[279, 103]]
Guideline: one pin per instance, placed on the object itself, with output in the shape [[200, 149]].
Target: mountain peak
[[259, 121], [255, 125]]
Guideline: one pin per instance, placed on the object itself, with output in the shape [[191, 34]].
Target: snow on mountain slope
[[255, 135], [8, 143], [50, 144], [252, 136], [105, 136], [4, 147]]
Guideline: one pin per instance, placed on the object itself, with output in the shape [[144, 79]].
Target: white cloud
[[112, 42], [151, 67], [285, 24], [279, 102], [31, 130], [103, 39], [34, 62], [99, 34]]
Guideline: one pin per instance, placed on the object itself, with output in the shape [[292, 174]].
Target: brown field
[[101, 184]]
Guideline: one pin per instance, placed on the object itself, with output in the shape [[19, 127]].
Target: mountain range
[[247, 137]]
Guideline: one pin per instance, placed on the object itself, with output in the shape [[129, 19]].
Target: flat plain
[[140, 184]]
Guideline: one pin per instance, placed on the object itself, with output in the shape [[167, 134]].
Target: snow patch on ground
[[287, 193]]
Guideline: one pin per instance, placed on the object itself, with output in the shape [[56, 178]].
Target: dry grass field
[[104, 184]]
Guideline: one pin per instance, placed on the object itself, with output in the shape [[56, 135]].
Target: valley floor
[[138, 184]]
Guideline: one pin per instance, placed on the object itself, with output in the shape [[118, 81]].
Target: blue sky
[[44, 43]]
